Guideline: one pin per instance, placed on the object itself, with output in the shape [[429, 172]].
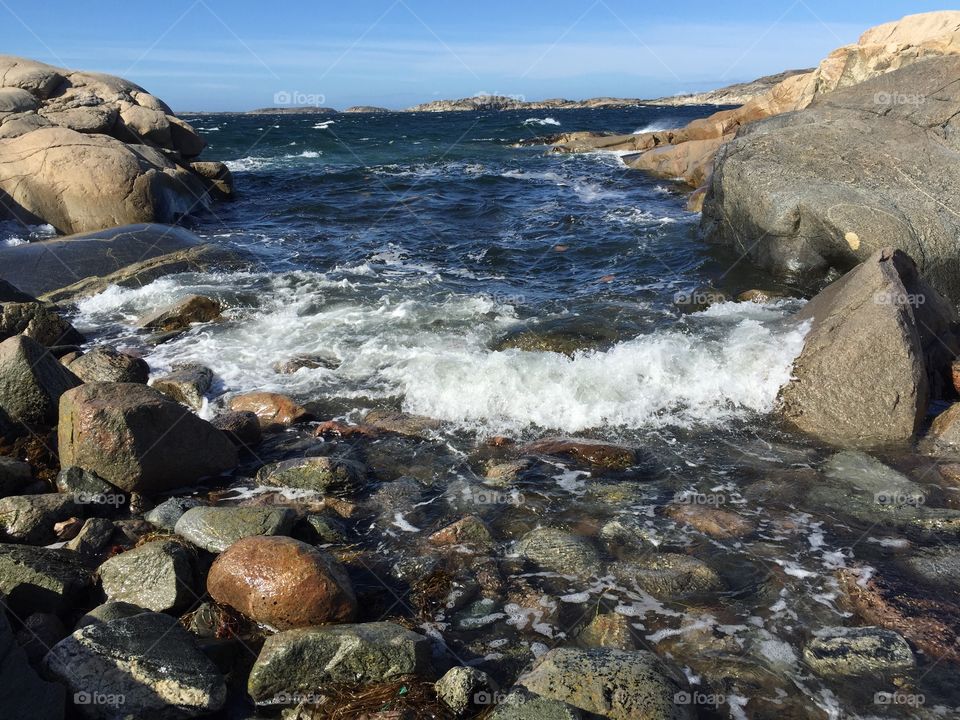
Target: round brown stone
[[282, 582]]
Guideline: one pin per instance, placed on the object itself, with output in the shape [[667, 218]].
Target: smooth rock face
[[158, 576], [100, 150], [282, 582], [148, 660], [37, 322], [303, 660], [166, 514], [137, 439], [104, 364], [23, 695], [187, 384], [327, 475], [860, 651], [273, 410], [31, 518], [781, 192], [559, 551], [31, 381], [40, 579], [183, 313], [217, 528], [863, 378], [669, 576], [611, 683], [107, 612]]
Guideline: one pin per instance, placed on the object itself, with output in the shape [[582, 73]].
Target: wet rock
[[159, 576], [67, 529], [631, 532], [612, 683], [326, 475], [609, 630], [282, 582], [401, 423], [669, 576], [23, 694], [242, 427], [93, 538], [592, 452], [15, 475], [217, 528], [41, 580], [40, 632], [936, 567], [31, 381], [565, 336], [943, 438], [187, 384], [166, 514], [711, 521], [108, 612], [37, 322], [137, 439], [461, 686], [217, 178], [309, 362], [105, 364], [75, 480], [31, 518], [182, 314], [352, 655], [328, 530], [148, 661], [858, 652], [469, 531], [502, 474], [521, 704], [843, 392], [272, 409], [559, 551]]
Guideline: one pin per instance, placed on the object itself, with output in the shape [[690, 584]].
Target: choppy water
[[406, 247]]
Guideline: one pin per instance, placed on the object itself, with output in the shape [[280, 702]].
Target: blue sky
[[238, 54]]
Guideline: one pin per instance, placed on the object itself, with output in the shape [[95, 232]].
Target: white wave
[[325, 125], [658, 126], [722, 364], [541, 121]]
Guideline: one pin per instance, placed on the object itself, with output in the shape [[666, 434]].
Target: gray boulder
[[31, 518], [217, 528], [878, 346], [166, 514], [864, 167], [31, 381], [23, 695], [187, 384], [37, 322], [147, 664], [616, 684], [521, 704], [327, 475], [463, 688], [93, 537], [159, 576], [107, 612], [300, 661], [105, 364], [41, 580]]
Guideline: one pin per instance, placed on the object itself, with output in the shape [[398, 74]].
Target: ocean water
[[405, 249]]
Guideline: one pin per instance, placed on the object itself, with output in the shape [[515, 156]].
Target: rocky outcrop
[[872, 165], [134, 437], [879, 346], [880, 50], [736, 94], [98, 150], [282, 582]]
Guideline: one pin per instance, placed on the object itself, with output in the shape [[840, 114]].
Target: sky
[[244, 54]]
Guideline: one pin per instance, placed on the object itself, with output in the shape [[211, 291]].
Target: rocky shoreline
[[171, 551]]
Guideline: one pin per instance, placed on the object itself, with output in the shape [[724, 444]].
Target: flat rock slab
[[46, 265]]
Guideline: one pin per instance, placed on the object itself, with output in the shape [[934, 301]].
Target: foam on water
[[719, 365], [541, 121]]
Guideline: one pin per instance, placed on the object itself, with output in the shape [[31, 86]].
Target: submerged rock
[[609, 630], [147, 664], [593, 452], [137, 439], [559, 551], [326, 475], [614, 684], [300, 661], [217, 528], [159, 576], [669, 576], [858, 652], [105, 364], [282, 582], [711, 521], [401, 423]]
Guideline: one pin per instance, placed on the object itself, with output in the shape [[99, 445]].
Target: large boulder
[[99, 151], [159, 576], [31, 518], [37, 322], [106, 364], [146, 665], [878, 347], [23, 695], [300, 661], [41, 580], [869, 166], [31, 381], [134, 437], [282, 582]]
